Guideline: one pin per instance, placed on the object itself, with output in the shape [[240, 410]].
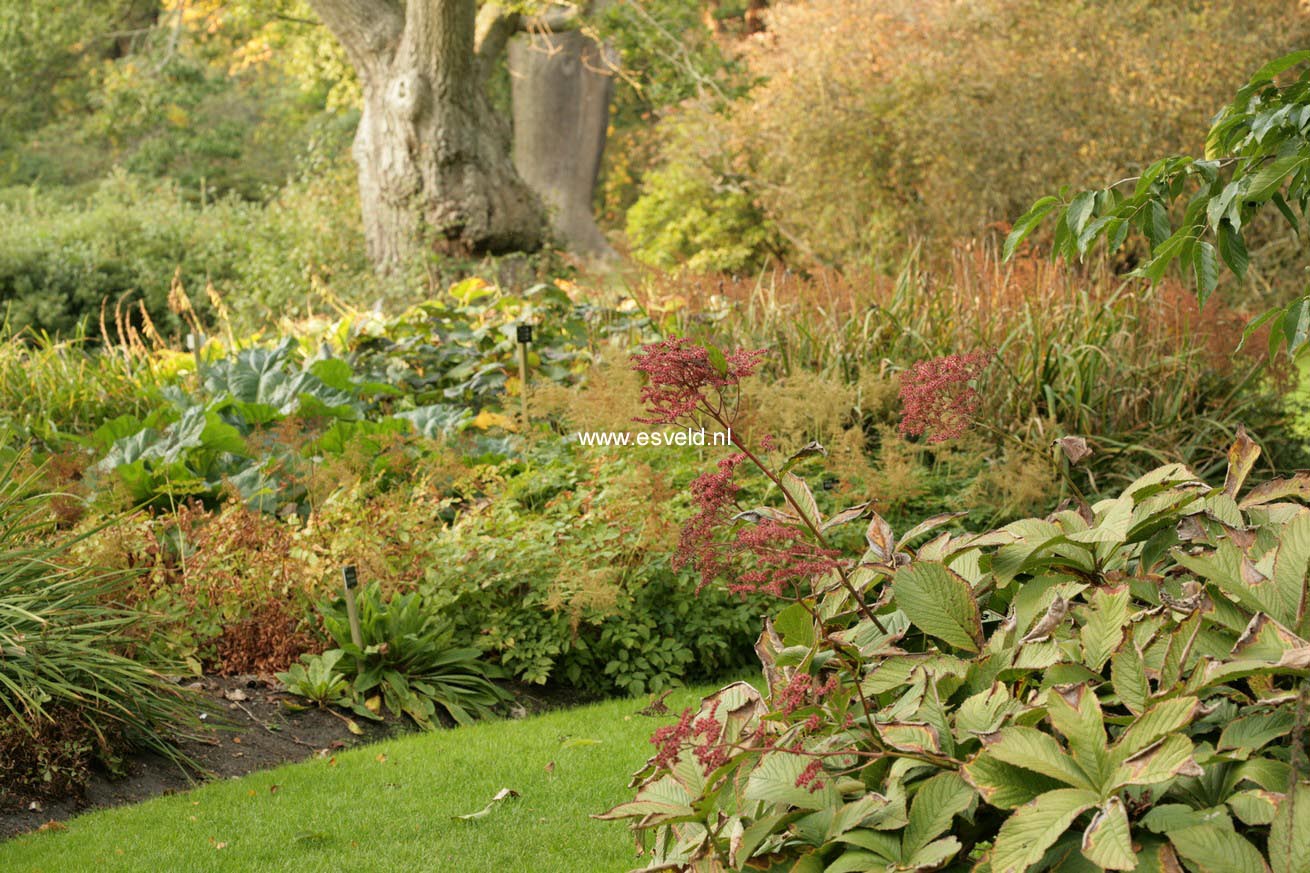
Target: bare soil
[[254, 730]]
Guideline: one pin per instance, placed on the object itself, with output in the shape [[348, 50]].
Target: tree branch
[[494, 27], [368, 30]]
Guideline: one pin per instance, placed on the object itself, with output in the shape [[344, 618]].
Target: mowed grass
[[390, 806]]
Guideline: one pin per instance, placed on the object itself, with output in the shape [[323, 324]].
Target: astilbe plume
[[936, 397], [681, 378]]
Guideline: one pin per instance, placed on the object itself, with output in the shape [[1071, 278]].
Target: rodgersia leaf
[[1034, 828], [939, 603]]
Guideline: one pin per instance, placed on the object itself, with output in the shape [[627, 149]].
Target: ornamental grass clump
[[70, 694], [1119, 685]]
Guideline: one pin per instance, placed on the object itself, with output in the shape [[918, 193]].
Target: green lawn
[[389, 807]]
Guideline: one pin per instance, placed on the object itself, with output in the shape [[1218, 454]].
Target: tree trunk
[[561, 96], [433, 157]]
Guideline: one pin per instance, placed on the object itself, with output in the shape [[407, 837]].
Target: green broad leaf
[[1005, 785], [1166, 817], [934, 855], [1255, 731], [1076, 714], [940, 603], [664, 799], [1154, 725], [910, 737], [1112, 521], [717, 359], [1168, 758], [1128, 675], [1103, 632], [1269, 178], [1213, 848], [857, 862], [802, 499], [1266, 639], [1205, 264], [984, 712], [1255, 806], [1108, 842], [937, 802], [1295, 325], [1026, 835], [1232, 248], [774, 781], [795, 625], [1290, 570], [1289, 833], [1031, 749], [1277, 489]]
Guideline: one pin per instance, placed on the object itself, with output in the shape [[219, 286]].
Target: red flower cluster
[[783, 557], [936, 397], [809, 777], [801, 691], [672, 738], [681, 375], [716, 496]]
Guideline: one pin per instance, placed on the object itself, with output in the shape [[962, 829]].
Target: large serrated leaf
[[940, 603], [1128, 675], [1254, 731], [1159, 763], [802, 499], [1026, 835], [936, 803], [1213, 848], [1107, 616], [1289, 834], [1108, 842], [1161, 720], [774, 781], [1076, 714], [1033, 750], [1005, 785]]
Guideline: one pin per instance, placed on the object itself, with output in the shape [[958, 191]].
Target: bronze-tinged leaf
[[910, 736], [882, 542], [1075, 449], [1277, 489], [1054, 617], [851, 513], [1242, 456], [1266, 639]]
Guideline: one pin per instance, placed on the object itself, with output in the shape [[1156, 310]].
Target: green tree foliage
[[1197, 212]]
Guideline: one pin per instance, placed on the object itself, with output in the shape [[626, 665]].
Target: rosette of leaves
[[1117, 686], [407, 663]]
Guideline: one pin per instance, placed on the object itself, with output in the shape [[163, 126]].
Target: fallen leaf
[[273, 789], [53, 825], [501, 796], [382, 759]]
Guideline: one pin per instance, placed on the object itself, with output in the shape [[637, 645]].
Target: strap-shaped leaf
[[940, 603], [1032, 829], [1108, 842], [1033, 750]]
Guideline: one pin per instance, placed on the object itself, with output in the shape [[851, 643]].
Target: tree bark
[[433, 157], [561, 96]]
